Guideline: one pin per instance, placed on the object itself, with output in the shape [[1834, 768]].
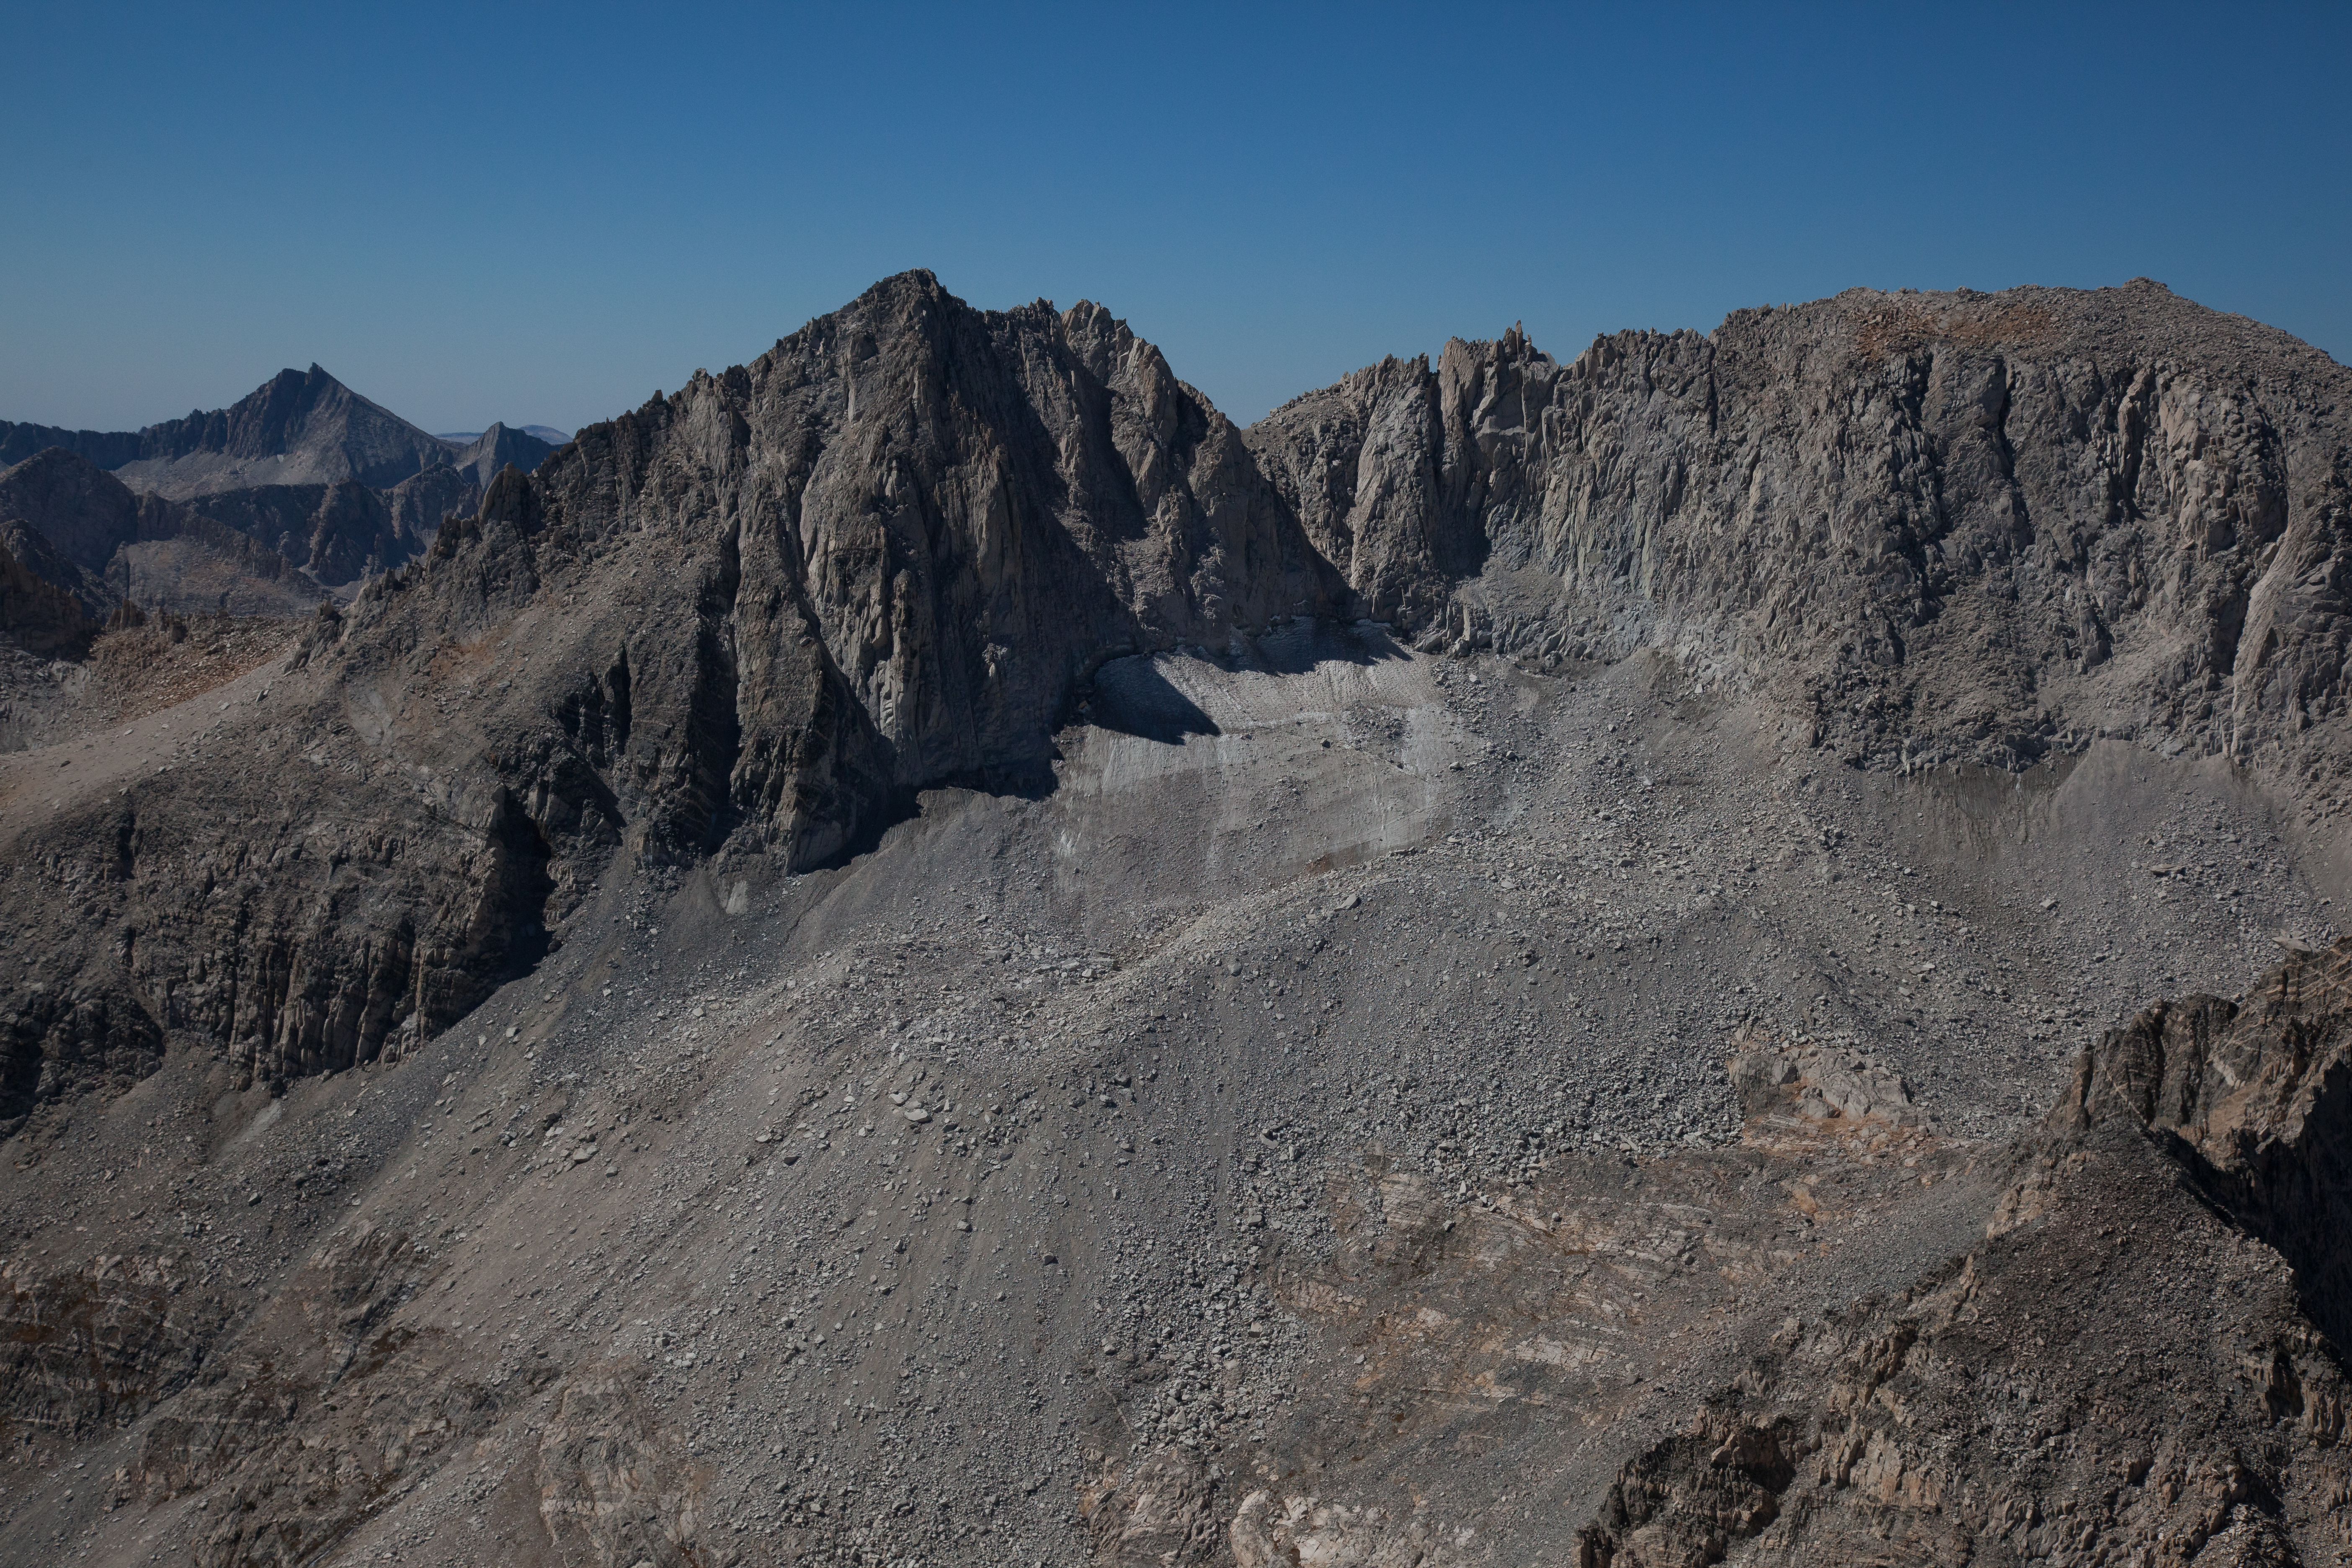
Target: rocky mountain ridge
[[546, 432], [499, 447], [1828, 504], [338, 486], [923, 950], [86, 533], [753, 618], [298, 427], [1956, 528]]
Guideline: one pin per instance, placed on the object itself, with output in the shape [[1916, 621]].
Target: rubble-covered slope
[[1193, 1214], [876, 963]]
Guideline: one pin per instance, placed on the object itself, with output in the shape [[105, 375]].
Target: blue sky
[[545, 214]]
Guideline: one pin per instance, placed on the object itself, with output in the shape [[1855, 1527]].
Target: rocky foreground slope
[[924, 951]]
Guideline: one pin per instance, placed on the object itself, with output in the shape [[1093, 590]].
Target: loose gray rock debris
[[922, 952]]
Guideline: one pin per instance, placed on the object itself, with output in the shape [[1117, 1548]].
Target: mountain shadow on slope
[[1131, 697]]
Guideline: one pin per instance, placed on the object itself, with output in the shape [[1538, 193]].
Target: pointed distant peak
[[311, 386], [299, 427], [502, 446]]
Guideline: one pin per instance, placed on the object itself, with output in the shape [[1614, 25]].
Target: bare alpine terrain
[[924, 951], [298, 492]]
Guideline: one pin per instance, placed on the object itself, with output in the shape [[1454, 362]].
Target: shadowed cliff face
[[757, 613], [882, 557], [2255, 1096], [35, 612], [85, 513]]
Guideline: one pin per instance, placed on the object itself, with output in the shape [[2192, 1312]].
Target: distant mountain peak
[[498, 446], [546, 432], [300, 426]]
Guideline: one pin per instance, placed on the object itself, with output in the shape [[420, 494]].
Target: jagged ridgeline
[[749, 619], [299, 488]]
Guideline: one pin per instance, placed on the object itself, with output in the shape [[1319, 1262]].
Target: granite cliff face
[[1941, 528], [2254, 1097], [902, 541]]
